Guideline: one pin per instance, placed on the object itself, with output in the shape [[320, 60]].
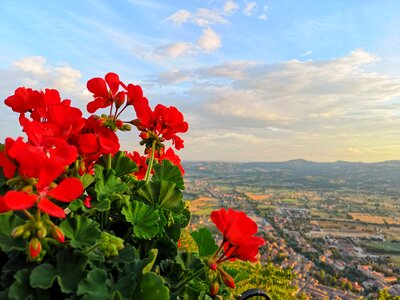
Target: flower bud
[[127, 127], [57, 233], [119, 100], [41, 233], [27, 189], [144, 135], [86, 202], [212, 265], [26, 234], [227, 279], [34, 247], [81, 168], [119, 123], [214, 287], [18, 231], [212, 275]]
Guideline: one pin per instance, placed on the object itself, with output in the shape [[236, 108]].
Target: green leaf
[[95, 286], [144, 219], [107, 183], [152, 287], [204, 241], [82, 231], [163, 194], [71, 269], [122, 164], [127, 255], [8, 222], [150, 260], [43, 276], [128, 279], [172, 272], [21, 289], [87, 180], [168, 172]]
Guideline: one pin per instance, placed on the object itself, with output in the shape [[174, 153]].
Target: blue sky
[[257, 80]]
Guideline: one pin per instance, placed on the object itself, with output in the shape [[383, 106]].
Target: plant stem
[[92, 248], [219, 248], [194, 275], [28, 214], [150, 166], [109, 160]]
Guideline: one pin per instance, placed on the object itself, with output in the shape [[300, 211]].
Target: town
[[340, 243]]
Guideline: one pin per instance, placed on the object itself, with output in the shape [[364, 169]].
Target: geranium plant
[[81, 219]]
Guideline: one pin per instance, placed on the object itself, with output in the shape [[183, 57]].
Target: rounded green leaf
[[152, 287], [145, 219]]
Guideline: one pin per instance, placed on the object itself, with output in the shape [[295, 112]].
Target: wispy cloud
[[249, 9]]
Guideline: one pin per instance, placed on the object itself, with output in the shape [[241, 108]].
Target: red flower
[[43, 156], [172, 157], [140, 162], [104, 96], [5, 161], [164, 122], [238, 231], [68, 190]]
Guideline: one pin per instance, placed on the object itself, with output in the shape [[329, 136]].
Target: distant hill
[[373, 177]]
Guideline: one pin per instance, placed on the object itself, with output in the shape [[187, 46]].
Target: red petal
[[96, 104], [98, 87], [18, 200], [8, 166], [69, 189], [219, 219], [88, 143], [112, 80], [49, 207], [3, 206]]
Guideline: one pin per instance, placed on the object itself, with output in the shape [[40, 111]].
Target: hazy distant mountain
[[382, 176]]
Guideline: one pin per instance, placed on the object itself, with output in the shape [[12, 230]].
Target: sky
[[264, 80]]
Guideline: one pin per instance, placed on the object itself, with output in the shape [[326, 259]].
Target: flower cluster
[[98, 218], [62, 145], [239, 242]]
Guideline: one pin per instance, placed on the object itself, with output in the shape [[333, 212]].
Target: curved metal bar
[[253, 293]]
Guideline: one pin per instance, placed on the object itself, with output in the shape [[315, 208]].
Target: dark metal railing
[[253, 293]]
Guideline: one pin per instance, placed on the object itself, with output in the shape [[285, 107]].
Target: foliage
[[81, 219]]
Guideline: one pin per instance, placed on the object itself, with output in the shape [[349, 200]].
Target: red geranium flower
[[140, 162], [105, 91], [238, 234], [164, 122], [68, 190], [172, 157]]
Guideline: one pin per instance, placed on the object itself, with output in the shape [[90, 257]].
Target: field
[[258, 197], [203, 205], [367, 218], [382, 247]]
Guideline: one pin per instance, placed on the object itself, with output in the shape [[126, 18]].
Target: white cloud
[[307, 53], [35, 71], [209, 40], [264, 14], [230, 7], [180, 17], [206, 17], [175, 49], [249, 9], [202, 17]]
